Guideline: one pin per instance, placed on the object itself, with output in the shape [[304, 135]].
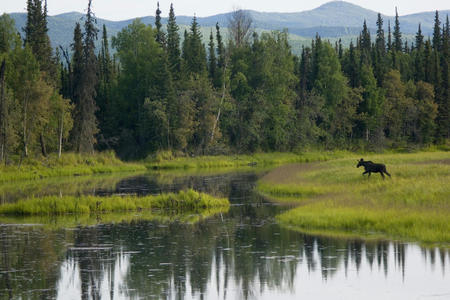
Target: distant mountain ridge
[[333, 19]]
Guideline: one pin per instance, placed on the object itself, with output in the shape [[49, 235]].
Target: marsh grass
[[413, 204], [68, 165], [189, 200], [221, 161]]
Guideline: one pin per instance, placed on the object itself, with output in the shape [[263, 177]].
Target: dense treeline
[[166, 90]]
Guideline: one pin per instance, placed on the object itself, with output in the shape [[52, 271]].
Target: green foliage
[[252, 94]]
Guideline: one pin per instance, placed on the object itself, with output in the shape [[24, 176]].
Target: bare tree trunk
[[61, 128], [3, 111], [43, 150], [216, 121], [24, 124]]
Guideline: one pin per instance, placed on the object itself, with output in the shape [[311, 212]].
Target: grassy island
[[189, 200]]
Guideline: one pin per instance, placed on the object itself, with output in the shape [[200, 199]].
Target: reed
[[189, 200]]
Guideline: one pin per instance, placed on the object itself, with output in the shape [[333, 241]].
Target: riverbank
[[189, 200], [235, 161], [335, 199], [69, 164]]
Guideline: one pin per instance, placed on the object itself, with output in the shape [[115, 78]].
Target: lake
[[241, 254]]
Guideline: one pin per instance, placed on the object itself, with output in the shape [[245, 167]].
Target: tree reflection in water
[[230, 260]]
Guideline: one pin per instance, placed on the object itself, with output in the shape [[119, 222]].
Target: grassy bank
[[335, 199], [69, 164], [53, 205], [222, 161]]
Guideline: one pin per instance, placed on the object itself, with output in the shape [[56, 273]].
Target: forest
[[153, 89]]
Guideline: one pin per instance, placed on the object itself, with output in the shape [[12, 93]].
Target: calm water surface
[[243, 254]]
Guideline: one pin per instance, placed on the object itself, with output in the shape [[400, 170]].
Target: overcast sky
[[127, 9]]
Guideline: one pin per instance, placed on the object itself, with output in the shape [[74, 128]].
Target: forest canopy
[[154, 88]]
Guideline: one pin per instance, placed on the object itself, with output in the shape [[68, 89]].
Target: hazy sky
[[126, 9]]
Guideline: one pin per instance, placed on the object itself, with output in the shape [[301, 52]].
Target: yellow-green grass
[[69, 164], [258, 159], [189, 200], [334, 197]]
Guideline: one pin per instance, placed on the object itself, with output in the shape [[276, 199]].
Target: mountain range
[[336, 19]]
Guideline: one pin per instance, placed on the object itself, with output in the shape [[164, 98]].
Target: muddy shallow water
[[243, 254]]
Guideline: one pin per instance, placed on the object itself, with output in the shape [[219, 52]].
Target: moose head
[[360, 163]]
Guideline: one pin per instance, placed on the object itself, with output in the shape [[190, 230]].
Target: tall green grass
[[414, 204], [222, 161], [68, 164], [189, 200]]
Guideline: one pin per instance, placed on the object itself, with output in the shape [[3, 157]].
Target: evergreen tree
[[419, 39], [220, 58], [212, 64], [437, 32], [106, 82], [85, 122], [380, 41], [419, 69], [160, 35], [194, 54], [365, 45], [173, 45], [389, 42], [443, 117], [428, 62], [397, 34], [36, 37]]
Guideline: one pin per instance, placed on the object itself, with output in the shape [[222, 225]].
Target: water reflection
[[241, 255]]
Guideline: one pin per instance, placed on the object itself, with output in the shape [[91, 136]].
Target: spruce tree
[[443, 117], [389, 42], [380, 41], [160, 35], [194, 55], [437, 32], [212, 63], [365, 45], [104, 90], [419, 39], [419, 71], [36, 36], [397, 34], [85, 122], [173, 45]]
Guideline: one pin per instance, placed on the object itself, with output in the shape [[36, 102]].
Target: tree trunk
[[43, 150], [24, 124], [216, 121], [3, 112], [61, 128]]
